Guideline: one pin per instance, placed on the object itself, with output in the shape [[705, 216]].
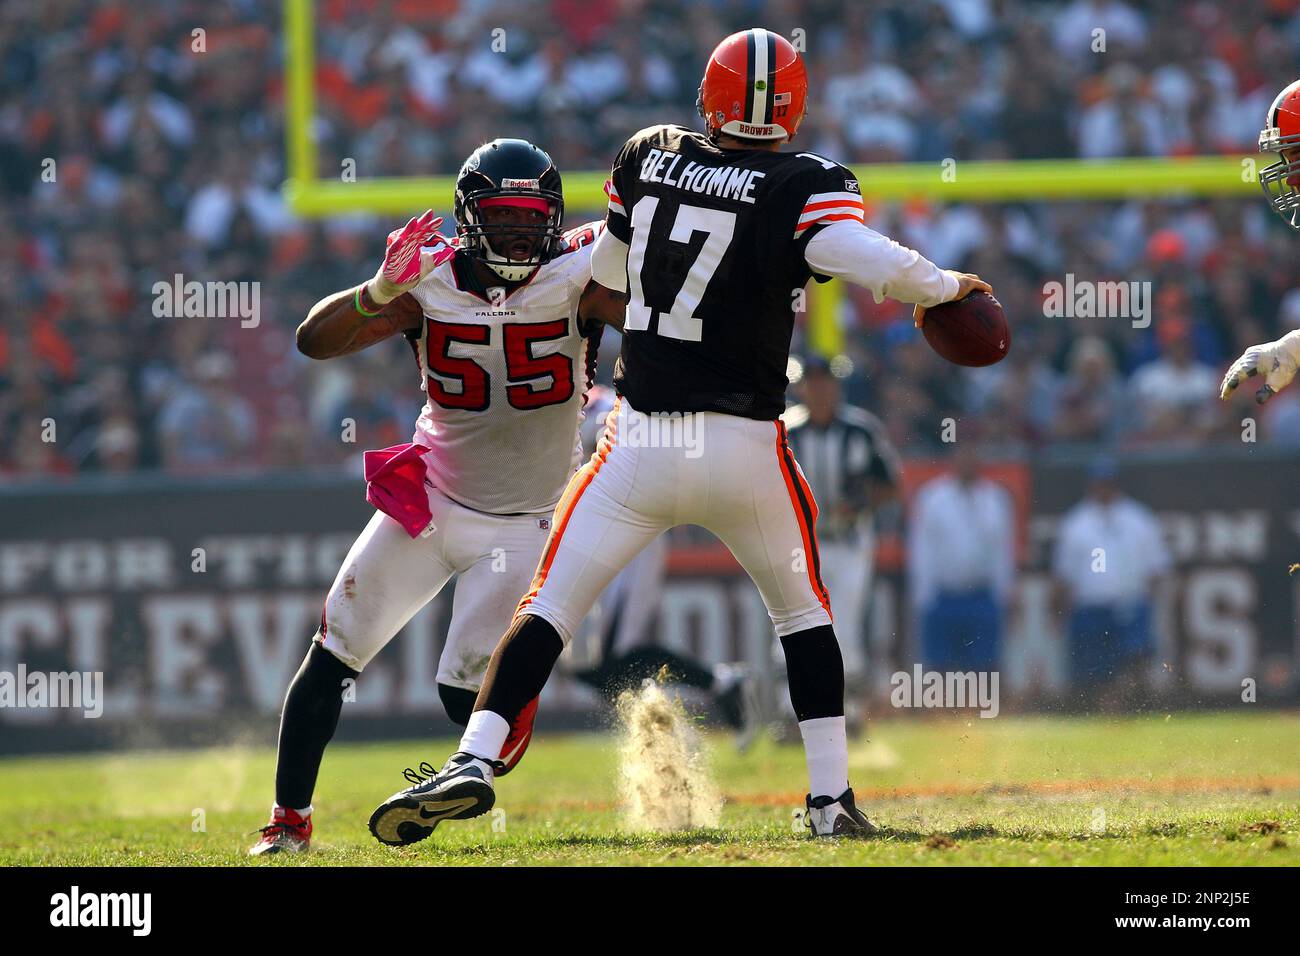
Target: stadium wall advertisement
[[160, 612]]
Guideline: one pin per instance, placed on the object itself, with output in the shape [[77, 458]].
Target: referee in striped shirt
[[852, 469]]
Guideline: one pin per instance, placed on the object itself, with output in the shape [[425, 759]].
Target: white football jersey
[[505, 379]]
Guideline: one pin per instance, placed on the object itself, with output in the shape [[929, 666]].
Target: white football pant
[[735, 477], [620, 621], [388, 576]]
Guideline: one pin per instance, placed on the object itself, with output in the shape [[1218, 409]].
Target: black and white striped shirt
[[840, 461]]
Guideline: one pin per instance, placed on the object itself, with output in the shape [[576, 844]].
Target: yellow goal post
[[309, 194]]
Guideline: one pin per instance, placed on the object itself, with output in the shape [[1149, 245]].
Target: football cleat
[[288, 832], [521, 733], [460, 790], [837, 816]]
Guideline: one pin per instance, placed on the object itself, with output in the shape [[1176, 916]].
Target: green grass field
[[1185, 789]]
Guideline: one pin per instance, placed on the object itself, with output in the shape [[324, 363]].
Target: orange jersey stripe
[[831, 218], [831, 204]]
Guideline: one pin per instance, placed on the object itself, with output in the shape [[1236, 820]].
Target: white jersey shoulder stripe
[[817, 198], [830, 213], [615, 203], [828, 208]]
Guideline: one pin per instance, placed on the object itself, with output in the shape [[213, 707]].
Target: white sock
[[306, 812], [485, 735], [826, 747]]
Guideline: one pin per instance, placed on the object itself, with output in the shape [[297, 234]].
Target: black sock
[[457, 702], [519, 666], [815, 669], [311, 713]]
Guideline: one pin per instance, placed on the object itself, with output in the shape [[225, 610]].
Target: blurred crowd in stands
[[144, 140]]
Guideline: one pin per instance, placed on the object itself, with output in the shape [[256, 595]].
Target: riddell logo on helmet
[[520, 184], [746, 130]]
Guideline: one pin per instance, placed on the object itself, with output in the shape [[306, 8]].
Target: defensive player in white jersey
[[712, 235], [506, 341]]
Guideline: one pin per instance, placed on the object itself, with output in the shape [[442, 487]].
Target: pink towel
[[395, 485]]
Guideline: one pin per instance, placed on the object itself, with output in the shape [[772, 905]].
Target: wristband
[[356, 304]]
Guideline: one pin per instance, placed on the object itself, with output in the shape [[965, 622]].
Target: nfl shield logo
[[544, 524]]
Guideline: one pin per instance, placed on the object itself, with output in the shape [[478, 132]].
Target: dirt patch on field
[[664, 779], [1263, 826]]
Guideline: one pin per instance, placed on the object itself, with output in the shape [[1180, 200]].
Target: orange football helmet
[[754, 87], [1281, 135]]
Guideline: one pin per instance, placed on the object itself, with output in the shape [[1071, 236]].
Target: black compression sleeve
[[815, 669], [519, 666]]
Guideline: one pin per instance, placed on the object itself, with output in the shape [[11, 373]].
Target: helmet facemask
[[494, 242], [1279, 180]]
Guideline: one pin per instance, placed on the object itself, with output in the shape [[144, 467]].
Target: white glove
[[1275, 361], [401, 269], [967, 282]]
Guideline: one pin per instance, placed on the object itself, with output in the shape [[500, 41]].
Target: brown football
[[970, 331]]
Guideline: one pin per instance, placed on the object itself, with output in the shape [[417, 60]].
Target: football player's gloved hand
[[966, 284], [1275, 362], [401, 269]]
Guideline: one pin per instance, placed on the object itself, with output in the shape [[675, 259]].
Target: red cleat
[[521, 732], [286, 833]]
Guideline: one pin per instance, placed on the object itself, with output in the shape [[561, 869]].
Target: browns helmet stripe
[[751, 70], [770, 91]]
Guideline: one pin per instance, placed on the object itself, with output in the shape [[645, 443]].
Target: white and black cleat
[[837, 817], [460, 790]]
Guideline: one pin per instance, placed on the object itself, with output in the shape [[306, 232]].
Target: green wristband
[[356, 303]]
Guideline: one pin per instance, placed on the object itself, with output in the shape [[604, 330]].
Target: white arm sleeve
[[609, 261], [851, 251]]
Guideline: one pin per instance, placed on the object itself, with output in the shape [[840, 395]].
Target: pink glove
[[401, 269]]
